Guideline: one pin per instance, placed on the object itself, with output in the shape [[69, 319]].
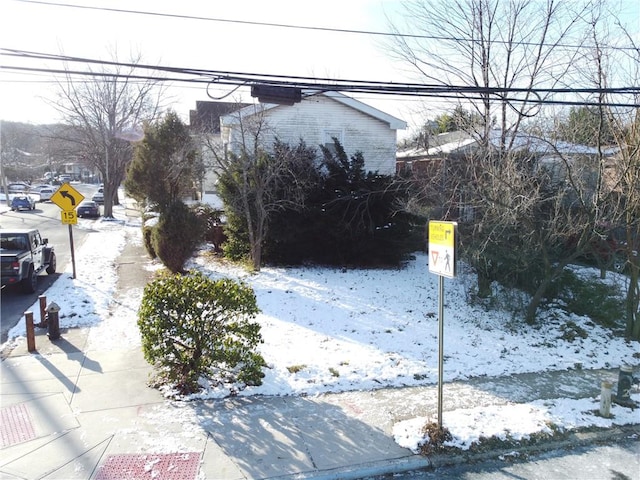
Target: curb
[[570, 439], [371, 469]]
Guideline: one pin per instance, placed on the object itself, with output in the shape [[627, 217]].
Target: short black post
[[53, 322], [625, 380]]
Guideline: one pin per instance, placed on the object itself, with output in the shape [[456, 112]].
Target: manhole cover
[[169, 466], [16, 425]]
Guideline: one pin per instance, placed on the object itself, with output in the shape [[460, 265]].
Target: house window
[[329, 135]]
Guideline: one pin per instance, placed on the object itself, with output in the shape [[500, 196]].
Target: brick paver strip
[[16, 425], [152, 466]]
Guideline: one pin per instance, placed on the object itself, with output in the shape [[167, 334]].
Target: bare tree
[[619, 178], [630, 183], [524, 212], [105, 111], [254, 179], [495, 46]]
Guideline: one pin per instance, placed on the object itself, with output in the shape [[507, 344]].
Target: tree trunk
[[536, 300], [484, 285], [632, 330], [256, 255]]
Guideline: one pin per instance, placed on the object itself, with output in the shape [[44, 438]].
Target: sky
[[356, 330], [183, 42], [231, 45]]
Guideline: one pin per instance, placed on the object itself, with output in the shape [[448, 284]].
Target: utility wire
[[407, 90], [304, 27], [236, 78]]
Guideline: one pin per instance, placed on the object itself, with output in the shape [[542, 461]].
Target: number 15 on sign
[[69, 217]]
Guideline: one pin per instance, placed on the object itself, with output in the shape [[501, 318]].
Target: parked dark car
[[88, 208], [23, 202], [25, 254]]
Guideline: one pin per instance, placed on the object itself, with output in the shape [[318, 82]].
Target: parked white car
[[45, 194], [98, 197]]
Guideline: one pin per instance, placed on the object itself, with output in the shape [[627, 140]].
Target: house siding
[[316, 116]]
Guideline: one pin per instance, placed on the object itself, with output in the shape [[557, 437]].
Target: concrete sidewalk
[[72, 413], [76, 411]]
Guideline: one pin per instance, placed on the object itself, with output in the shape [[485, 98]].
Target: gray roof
[[461, 141]]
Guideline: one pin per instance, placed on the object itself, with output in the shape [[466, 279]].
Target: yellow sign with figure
[[67, 197], [69, 217], [442, 248]]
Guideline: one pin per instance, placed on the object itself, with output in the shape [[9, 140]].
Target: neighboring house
[[206, 117], [316, 119], [422, 159], [555, 157], [78, 172], [204, 123]]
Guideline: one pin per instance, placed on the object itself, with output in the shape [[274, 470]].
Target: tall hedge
[[176, 236], [351, 217]]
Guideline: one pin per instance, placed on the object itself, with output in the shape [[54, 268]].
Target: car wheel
[[52, 264], [30, 284]]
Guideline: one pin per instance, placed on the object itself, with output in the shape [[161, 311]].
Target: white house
[[316, 119]]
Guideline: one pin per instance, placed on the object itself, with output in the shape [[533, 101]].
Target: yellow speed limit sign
[[69, 217]]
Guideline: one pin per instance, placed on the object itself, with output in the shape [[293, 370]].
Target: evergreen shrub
[[147, 233], [176, 236], [195, 327]]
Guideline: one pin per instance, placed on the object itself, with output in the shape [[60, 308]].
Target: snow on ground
[[517, 421], [333, 330]]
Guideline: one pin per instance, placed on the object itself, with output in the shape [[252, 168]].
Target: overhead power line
[[539, 96], [306, 27]]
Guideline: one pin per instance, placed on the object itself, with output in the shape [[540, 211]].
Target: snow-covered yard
[[331, 330]]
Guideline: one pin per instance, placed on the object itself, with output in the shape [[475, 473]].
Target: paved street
[[618, 460]]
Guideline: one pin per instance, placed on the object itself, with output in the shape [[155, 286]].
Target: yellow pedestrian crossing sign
[[67, 197], [442, 248]]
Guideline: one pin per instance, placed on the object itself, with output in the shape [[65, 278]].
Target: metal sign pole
[[442, 262], [68, 198], [440, 347], [73, 253]]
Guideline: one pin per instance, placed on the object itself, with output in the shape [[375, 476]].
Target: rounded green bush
[[192, 326]]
